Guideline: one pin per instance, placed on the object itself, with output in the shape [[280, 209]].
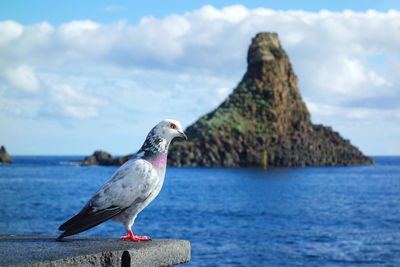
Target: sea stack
[[4, 157], [264, 113]]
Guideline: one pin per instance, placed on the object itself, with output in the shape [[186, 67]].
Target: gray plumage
[[132, 187]]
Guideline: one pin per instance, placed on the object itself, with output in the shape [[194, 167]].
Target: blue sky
[[83, 75], [58, 12]]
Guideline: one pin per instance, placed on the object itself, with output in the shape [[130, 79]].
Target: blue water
[[335, 216]]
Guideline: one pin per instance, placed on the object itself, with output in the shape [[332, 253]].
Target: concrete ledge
[[31, 250]]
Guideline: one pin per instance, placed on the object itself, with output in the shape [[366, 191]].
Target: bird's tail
[[87, 218], [60, 237]]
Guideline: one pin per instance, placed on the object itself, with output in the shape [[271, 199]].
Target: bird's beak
[[183, 135]]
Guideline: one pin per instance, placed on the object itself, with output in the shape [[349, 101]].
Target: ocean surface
[[323, 216]]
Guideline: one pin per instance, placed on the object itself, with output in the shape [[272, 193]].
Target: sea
[[315, 216]]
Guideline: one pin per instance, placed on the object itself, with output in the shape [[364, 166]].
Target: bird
[[131, 188]]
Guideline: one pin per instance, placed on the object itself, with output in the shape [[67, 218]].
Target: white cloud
[[111, 8], [9, 30], [353, 113], [378, 80], [80, 112], [66, 94], [23, 77], [78, 33], [232, 14], [187, 64], [68, 102]]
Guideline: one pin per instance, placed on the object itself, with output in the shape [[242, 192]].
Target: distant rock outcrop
[[265, 112], [103, 158], [4, 157]]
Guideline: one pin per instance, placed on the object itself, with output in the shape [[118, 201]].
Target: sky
[[78, 76]]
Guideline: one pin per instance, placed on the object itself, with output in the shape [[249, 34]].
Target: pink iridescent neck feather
[[160, 161]]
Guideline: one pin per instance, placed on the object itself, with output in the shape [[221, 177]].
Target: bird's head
[[170, 129], [160, 137]]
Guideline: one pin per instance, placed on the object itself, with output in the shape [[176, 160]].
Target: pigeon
[[131, 188]]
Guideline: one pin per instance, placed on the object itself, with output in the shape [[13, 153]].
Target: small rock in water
[[4, 157]]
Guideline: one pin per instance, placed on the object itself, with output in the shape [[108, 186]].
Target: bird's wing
[[134, 181], [129, 183], [87, 218]]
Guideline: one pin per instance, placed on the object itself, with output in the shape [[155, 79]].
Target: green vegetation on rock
[[264, 112]]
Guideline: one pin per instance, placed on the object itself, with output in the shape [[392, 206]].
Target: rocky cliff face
[[4, 157], [265, 112]]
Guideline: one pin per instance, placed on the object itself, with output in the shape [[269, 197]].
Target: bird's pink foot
[[135, 238]]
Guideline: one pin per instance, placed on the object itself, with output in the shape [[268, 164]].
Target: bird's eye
[[173, 126]]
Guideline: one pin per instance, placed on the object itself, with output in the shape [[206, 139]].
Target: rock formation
[[265, 112], [4, 157], [103, 158]]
